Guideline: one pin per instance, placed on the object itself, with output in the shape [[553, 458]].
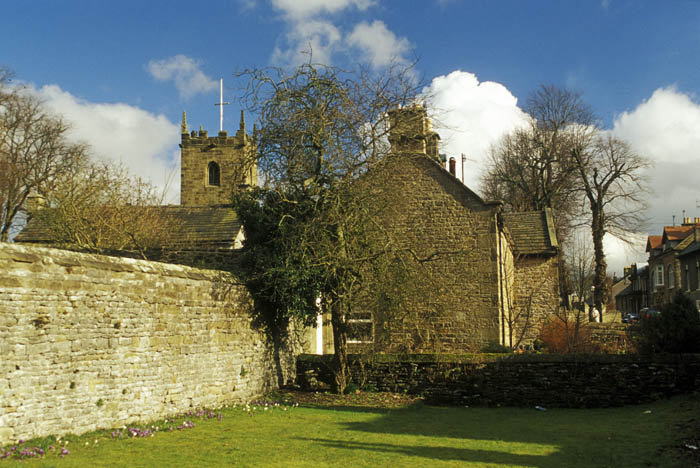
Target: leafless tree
[[100, 207], [614, 188], [34, 150], [530, 169]]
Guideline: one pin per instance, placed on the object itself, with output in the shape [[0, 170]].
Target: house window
[[214, 174], [360, 328], [659, 275], [687, 278], [671, 278]]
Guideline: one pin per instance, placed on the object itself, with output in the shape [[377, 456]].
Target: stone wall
[[518, 380], [89, 341]]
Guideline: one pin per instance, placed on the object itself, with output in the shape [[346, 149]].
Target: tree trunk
[[340, 344], [598, 232]]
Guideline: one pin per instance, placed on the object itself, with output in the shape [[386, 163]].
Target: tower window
[[214, 174]]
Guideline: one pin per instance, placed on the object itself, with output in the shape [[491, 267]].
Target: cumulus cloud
[[184, 72], [311, 28], [145, 143], [665, 129], [378, 45], [470, 116]]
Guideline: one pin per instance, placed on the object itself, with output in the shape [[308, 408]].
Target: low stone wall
[[90, 341], [517, 380]]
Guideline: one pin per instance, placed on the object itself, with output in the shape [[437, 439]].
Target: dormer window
[[214, 174]]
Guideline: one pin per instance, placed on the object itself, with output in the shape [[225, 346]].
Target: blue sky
[[124, 71]]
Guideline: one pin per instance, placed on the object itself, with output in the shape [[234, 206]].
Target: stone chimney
[[411, 132]]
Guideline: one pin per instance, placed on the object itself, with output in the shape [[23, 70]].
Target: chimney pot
[[453, 167]]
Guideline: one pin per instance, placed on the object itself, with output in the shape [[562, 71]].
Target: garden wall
[[89, 341], [517, 380]]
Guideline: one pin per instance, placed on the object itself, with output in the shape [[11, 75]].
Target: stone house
[[665, 268], [635, 295], [689, 259], [491, 277]]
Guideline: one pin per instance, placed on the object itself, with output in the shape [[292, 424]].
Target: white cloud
[[306, 8], [379, 46], [470, 117], [145, 143], [184, 72], [311, 30], [665, 129]]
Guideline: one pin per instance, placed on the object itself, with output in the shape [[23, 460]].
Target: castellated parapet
[[213, 167]]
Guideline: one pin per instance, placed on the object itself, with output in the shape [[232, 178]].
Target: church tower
[[212, 168]]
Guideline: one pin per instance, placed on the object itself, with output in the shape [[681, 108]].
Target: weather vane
[[221, 105]]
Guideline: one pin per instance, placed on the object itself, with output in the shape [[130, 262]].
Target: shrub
[[565, 333], [675, 330]]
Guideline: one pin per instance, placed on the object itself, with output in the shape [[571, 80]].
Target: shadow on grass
[[443, 453], [620, 437]]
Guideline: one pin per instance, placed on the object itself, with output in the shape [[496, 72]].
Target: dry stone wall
[[90, 341], [517, 380]]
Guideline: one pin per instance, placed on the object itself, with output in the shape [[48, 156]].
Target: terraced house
[[673, 262]]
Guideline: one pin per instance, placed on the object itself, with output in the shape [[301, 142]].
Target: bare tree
[[613, 186], [530, 169], [34, 150], [100, 207]]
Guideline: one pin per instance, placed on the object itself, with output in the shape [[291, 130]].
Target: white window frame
[[658, 275], [671, 277], [370, 321]]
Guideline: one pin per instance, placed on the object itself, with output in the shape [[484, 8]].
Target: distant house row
[[674, 264]]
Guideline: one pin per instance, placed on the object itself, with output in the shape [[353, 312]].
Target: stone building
[[665, 269], [212, 168], [635, 295], [489, 278]]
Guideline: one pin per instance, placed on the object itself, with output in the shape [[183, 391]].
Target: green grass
[[416, 436]]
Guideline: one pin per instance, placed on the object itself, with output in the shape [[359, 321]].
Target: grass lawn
[[410, 436]]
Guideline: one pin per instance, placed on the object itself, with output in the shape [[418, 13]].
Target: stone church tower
[[212, 168]]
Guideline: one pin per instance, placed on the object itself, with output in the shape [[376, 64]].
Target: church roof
[[532, 232], [211, 225]]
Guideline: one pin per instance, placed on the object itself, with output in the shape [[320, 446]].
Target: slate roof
[[532, 232], [210, 225]]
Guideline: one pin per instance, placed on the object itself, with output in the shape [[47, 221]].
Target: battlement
[[202, 138]]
